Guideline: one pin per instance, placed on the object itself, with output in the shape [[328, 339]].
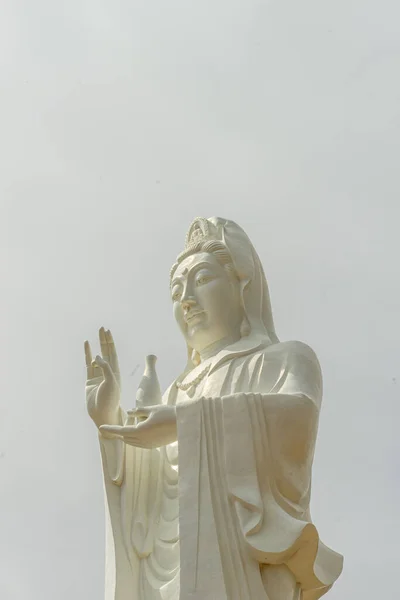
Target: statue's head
[[205, 293], [218, 287]]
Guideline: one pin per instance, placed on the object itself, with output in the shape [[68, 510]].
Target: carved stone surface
[[208, 487]]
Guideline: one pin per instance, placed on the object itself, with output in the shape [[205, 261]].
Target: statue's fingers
[[127, 433], [140, 412], [112, 352], [88, 354], [108, 431], [109, 337], [97, 372], [124, 432], [103, 343], [105, 367], [113, 429], [88, 360], [134, 441]]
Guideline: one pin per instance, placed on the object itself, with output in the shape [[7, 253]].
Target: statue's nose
[[187, 304]]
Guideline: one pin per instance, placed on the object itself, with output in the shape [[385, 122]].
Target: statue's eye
[[176, 295], [202, 279]]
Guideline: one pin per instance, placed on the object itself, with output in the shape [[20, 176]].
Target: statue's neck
[[213, 349]]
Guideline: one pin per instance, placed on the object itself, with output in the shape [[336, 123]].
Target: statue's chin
[[195, 326]]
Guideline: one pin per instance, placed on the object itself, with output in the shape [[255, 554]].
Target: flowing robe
[[246, 437]]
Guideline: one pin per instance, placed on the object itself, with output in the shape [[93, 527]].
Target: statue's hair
[[218, 249]]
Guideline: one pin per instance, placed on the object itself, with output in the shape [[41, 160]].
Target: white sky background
[[121, 121]]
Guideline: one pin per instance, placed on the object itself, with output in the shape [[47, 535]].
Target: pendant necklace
[[194, 383]]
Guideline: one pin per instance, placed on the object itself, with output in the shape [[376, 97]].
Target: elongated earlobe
[[196, 358], [245, 327]]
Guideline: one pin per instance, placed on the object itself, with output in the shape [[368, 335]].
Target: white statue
[[233, 523]]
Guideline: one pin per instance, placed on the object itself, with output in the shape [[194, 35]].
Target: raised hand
[[103, 381]]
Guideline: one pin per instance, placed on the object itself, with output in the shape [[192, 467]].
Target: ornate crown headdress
[[200, 230]]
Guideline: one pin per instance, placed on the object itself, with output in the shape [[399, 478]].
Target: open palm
[[103, 382]]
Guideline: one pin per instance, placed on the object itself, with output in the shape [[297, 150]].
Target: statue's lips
[[193, 315]]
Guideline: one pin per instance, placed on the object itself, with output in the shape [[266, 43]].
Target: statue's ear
[[196, 360], [245, 328], [190, 363]]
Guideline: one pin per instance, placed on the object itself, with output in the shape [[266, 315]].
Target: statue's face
[[206, 300]]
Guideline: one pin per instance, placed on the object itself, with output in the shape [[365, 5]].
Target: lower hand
[[158, 429]]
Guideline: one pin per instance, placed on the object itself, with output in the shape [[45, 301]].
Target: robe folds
[[198, 524]]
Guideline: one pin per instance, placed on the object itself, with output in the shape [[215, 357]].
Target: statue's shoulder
[[297, 358], [292, 350], [300, 370]]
